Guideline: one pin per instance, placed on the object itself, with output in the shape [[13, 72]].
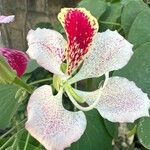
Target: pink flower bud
[[17, 60]]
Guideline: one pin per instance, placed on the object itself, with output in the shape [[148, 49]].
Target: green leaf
[[140, 29], [33, 144], [96, 136], [111, 15], [112, 128], [96, 83], [97, 8], [8, 104], [129, 13], [58, 27], [2, 81], [32, 65], [125, 2], [42, 25], [113, 1], [29, 147], [138, 68], [143, 132]]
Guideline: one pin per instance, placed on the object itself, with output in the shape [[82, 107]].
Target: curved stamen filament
[[95, 102], [79, 106], [106, 79]]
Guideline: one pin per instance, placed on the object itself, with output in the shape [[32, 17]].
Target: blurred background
[[28, 15]]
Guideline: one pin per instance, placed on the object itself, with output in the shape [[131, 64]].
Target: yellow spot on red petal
[[80, 27]]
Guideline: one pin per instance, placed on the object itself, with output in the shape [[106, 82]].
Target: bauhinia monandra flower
[[86, 54]]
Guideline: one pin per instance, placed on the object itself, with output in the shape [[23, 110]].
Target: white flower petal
[[7, 19], [52, 125], [47, 47], [110, 52], [121, 100]]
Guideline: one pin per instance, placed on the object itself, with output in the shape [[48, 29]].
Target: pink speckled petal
[[110, 52], [121, 100], [48, 121], [17, 60], [47, 48], [7, 19]]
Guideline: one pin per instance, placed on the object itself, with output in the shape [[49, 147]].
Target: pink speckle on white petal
[[7, 19]]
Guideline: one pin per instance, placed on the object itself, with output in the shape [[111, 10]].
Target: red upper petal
[[80, 27], [17, 60]]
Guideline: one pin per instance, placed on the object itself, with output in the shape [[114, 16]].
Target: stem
[[9, 131], [40, 81], [27, 141], [120, 29], [24, 85], [14, 143], [111, 23], [9, 140], [18, 147]]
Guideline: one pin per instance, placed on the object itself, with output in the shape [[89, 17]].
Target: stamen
[[95, 102], [106, 79]]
